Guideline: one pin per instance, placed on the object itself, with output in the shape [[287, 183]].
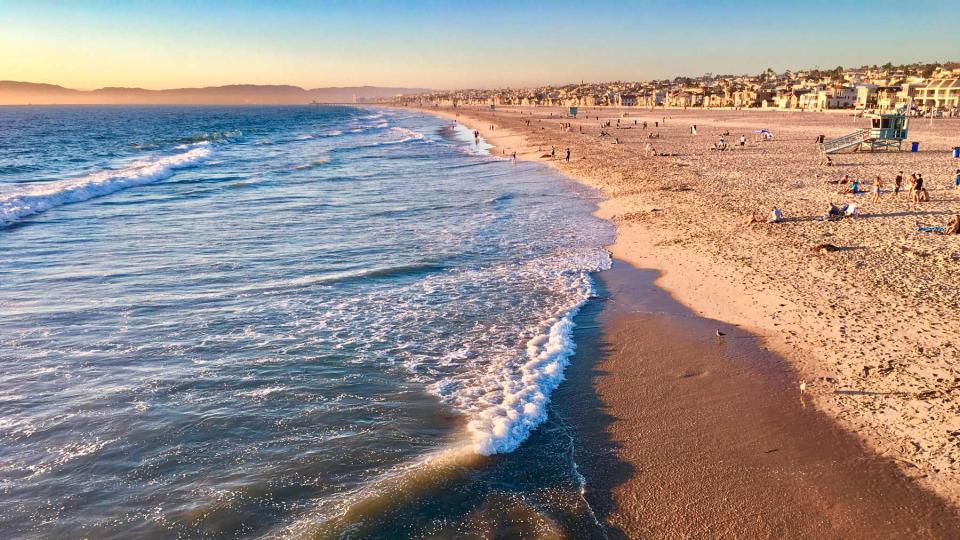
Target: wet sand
[[706, 436]]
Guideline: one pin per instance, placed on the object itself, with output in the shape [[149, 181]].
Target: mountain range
[[26, 93]]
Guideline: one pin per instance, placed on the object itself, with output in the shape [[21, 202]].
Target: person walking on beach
[[553, 152], [877, 184], [897, 183], [568, 155], [743, 141]]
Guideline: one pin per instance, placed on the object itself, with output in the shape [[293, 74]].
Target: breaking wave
[[507, 401], [34, 200]]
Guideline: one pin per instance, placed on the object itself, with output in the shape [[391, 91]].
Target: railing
[[832, 145]]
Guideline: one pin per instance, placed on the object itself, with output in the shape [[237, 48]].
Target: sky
[[87, 44]]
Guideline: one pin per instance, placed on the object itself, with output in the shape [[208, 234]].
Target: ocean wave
[[506, 402], [408, 136], [34, 200], [216, 136], [312, 164]]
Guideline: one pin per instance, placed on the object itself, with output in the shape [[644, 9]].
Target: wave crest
[[34, 200]]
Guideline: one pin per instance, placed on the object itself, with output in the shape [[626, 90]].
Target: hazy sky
[[164, 44]]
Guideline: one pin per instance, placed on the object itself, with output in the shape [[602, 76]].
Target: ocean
[[317, 321]]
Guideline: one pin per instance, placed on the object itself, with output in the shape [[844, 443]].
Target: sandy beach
[[871, 328]]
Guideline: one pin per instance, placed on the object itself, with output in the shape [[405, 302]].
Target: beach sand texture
[[873, 328]]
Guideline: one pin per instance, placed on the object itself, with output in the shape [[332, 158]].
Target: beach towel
[[931, 229]]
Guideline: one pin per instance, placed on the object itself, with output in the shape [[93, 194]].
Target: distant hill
[[23, 93]]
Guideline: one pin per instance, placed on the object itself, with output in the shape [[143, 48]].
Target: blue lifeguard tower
[[886, 132]]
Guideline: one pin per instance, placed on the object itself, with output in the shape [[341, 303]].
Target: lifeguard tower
[[886, 132]]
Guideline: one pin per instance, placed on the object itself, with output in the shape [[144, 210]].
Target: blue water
[[247, 322]]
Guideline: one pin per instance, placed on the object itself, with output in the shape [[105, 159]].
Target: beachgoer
[[743, 140], [918, 191], [568, 155], [833, 212], [854, 187], [877, 184], [956, 181], [753, 218], [897, 183], [776, 216], [953, 226], [553, 152]]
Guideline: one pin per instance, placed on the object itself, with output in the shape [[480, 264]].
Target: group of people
[[721, 144], [916, 188], [553, 153]]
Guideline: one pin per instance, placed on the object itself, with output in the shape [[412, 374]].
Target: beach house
[[939, 94]]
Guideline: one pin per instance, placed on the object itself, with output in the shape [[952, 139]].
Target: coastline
[[727, 285]]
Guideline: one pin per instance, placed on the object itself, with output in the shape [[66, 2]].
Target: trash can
[[956, 152], [915, 146]]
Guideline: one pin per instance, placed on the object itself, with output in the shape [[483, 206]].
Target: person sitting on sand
[[953, 226], [753, 218], [853, 189], [877, 184], [776, 216]]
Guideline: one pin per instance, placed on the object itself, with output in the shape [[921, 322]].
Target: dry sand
[[873, 328]]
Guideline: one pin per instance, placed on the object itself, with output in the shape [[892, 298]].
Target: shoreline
[[733, 294]]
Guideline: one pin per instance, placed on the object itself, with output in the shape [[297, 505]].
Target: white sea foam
[[479, 146], [506, 401], [35, 199], [262, 393]]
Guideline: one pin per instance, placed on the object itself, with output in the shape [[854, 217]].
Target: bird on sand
[[719, 333]]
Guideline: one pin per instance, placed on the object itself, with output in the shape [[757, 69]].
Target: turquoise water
[[255, 321]]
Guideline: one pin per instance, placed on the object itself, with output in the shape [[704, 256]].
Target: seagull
[[719, 333]]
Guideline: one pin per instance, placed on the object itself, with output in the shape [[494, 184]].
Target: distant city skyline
[[94, 44]]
